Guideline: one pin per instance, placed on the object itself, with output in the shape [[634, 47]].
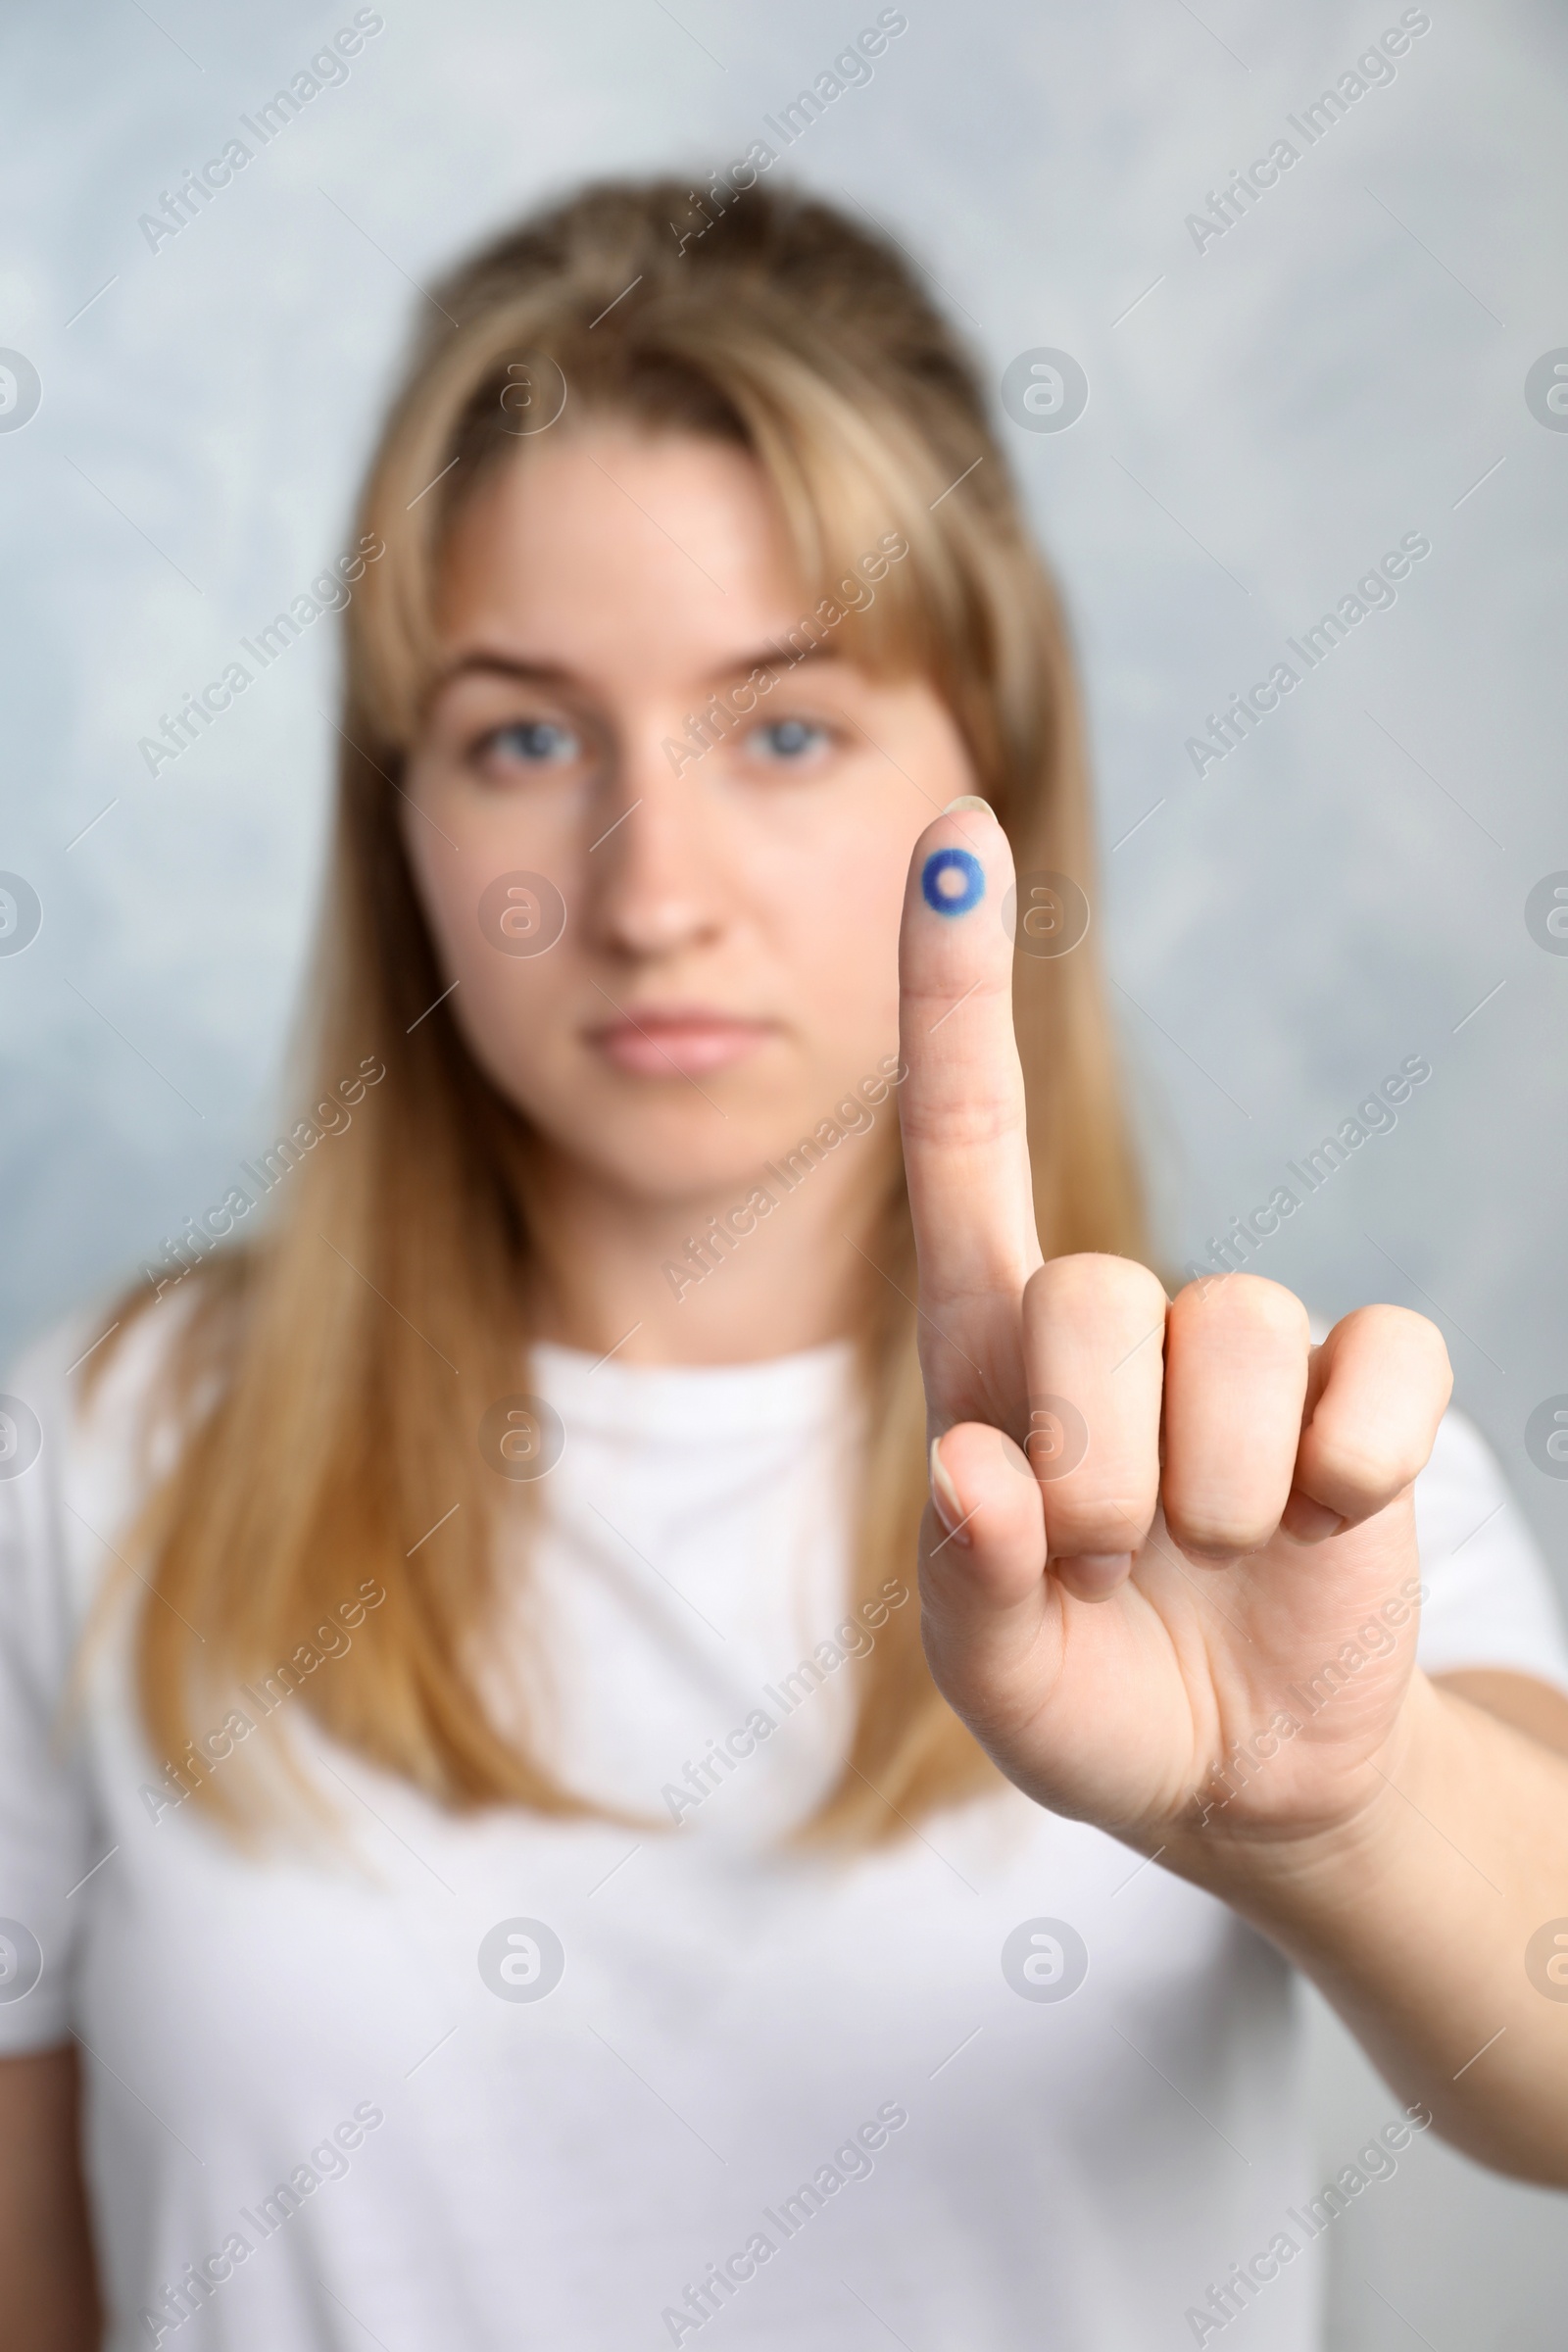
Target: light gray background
[[1341, 368]]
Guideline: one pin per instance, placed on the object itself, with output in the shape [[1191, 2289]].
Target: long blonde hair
[[331, 1371]]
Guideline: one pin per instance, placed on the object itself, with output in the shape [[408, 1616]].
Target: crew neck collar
[[775, 1392]]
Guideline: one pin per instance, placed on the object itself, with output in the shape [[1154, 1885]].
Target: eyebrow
[[504, 666], [485, 662]]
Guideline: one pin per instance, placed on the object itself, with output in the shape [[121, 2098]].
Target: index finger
[[961, 1107]]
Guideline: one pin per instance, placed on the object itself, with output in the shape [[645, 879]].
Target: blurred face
[[728, 966]]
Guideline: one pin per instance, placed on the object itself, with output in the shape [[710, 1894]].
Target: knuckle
[[1094, 1279], [1351, 1463], [1241, 1302], [1398, 1339], [1219, 1534], [1080, 1519]]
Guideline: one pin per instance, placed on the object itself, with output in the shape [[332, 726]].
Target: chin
[[664, 1170]]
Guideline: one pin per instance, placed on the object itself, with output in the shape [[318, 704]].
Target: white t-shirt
[[336, 2101]]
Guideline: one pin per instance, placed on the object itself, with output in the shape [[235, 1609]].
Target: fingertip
[[1209, 1555], [1305, 1521], [1093, 1575]]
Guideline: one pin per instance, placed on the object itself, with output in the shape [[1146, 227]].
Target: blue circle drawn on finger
[[953, 861]]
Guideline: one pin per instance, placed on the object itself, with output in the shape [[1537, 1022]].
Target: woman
[[503, 1865]]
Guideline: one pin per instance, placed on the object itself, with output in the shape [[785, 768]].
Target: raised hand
[[1169, 1572]]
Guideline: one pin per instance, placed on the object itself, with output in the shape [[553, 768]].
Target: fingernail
[[945, 1498], [1091, 1575], [1308, 1520], [968, 800]]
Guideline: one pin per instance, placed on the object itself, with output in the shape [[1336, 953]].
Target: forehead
[[618, 555]]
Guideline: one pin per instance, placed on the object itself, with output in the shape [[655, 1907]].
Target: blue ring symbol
[[953, 861]]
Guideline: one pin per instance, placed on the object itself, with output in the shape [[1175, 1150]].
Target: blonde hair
[[333, 1371]]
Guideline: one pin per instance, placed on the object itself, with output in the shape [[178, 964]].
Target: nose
[[655, 883]]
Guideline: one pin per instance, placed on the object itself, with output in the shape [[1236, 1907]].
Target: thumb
[[987, 1603]]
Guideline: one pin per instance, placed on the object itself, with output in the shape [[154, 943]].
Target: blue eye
[[537, 743], [788, 739]]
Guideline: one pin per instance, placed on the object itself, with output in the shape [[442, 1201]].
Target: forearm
[[47, 2286], [1416, 1920]]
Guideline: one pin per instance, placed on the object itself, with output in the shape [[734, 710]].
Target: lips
[[670, 1041]]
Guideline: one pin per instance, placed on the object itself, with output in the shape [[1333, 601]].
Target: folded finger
[[1236, 1375], [1380, 1385], [1094, 1349]]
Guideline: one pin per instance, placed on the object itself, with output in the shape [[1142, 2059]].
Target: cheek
[[837, 886], [836, 903], [496, 918], [510, 1015]]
